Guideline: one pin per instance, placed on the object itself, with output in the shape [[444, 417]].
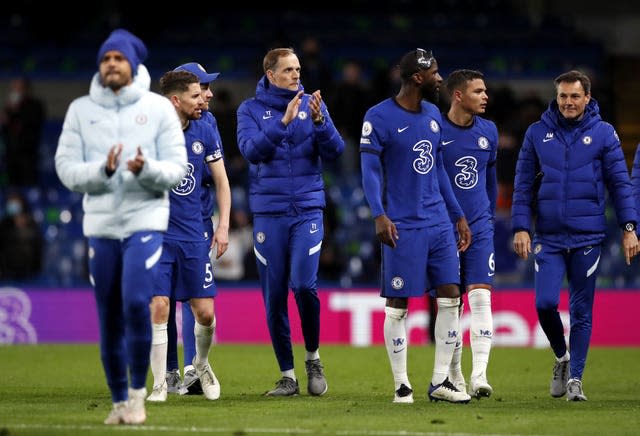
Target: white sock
[[312, 355], [204, 337], [481, 330], [158, 358], [289, 373], [446, 333], [456, 361], [564, 358], [395, 339]]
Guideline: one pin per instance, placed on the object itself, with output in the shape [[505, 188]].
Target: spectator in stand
[[21, 121], [21, 241]]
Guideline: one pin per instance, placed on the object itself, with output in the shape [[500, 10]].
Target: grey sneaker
[[316, 382], [404, 394], [285, 387], [191, 384], [574, 390], [173, 381], [445, 391], [560, 378]]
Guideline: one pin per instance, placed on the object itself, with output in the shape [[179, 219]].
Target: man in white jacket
[[123, 147]]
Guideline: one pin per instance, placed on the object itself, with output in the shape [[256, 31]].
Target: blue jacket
[[635, 180], [285, 162], [574, 161]]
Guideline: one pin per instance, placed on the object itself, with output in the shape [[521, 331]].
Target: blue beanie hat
[[126, 43]]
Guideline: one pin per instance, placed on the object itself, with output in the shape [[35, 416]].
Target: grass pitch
[[61, 390]]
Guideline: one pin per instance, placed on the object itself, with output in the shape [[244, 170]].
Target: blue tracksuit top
[[576, 161], [285, 162]]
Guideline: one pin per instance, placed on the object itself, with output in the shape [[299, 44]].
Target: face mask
[[15, 97], [13, 208]]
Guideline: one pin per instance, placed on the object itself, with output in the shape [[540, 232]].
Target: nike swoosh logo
[[207, 286], [403, 129], [490, 274], [448, 142], [266, 117], [313, 231], [588, 251], [94, 121], [547, 139], [450, 342], [146, 239], [400, 350]]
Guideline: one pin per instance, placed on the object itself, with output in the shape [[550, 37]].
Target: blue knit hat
[[126, 43]]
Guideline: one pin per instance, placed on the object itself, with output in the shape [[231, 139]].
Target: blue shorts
[[185, 271], [421, 257], [477, 264]]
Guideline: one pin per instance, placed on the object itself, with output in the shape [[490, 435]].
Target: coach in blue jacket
[[285, 135], [567, 159]]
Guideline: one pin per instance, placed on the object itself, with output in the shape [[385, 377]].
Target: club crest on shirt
[[197, 147], [260, 237], [302, 115], [397, 283], [587, 140], [434, 126], [537, 249], [367, 128], [483, 143], [141, 119]]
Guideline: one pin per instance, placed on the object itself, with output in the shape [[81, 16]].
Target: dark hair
[[458, 79], [176, 81], [273, 56], [414, 61], [574, 76]]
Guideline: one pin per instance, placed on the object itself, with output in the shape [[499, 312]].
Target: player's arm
[[386, 231], [223, 198]]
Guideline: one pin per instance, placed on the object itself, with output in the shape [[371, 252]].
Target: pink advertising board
[[348, 317]]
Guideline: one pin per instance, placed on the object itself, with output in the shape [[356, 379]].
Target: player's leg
[[478, 271], [271, 247], [172, 376], [582, 274], [305, 245], [443, 268], [191, 383], [549, 272], [403, 276], [195, 282], [455, 368], [139, 264], [159, 322], [105, 268]]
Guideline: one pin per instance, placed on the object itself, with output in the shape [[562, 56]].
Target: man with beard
[[411, 199]]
